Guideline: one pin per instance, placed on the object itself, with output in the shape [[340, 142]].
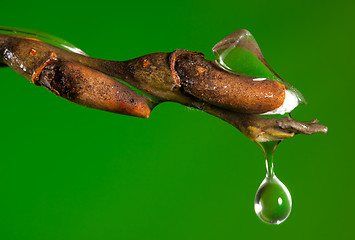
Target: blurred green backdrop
[[69, 172]]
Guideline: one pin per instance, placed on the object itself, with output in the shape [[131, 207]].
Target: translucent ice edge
[[46, 37], [291, 102]]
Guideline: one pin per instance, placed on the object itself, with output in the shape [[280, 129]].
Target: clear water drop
[[273, 202], [45, 37], [240, 53]]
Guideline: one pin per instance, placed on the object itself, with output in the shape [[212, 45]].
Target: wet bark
[[181, 76]]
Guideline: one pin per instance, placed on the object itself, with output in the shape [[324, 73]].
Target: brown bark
[[182, 76]]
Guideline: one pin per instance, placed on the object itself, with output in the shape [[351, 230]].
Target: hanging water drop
[[273, 201]]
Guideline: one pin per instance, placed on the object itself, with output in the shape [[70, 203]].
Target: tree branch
[[181, 76]]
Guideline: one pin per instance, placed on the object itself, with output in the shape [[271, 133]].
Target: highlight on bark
[[237, 93]]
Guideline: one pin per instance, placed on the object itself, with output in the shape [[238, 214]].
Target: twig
[[182, 76]]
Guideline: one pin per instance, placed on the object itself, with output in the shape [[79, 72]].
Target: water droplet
[[45, 37], [240, 53], [273, 201]]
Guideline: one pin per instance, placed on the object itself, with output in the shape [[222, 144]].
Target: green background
[[69, 172]]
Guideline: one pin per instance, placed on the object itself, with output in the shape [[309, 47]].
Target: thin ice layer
[[239, 53], [45, 37]]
